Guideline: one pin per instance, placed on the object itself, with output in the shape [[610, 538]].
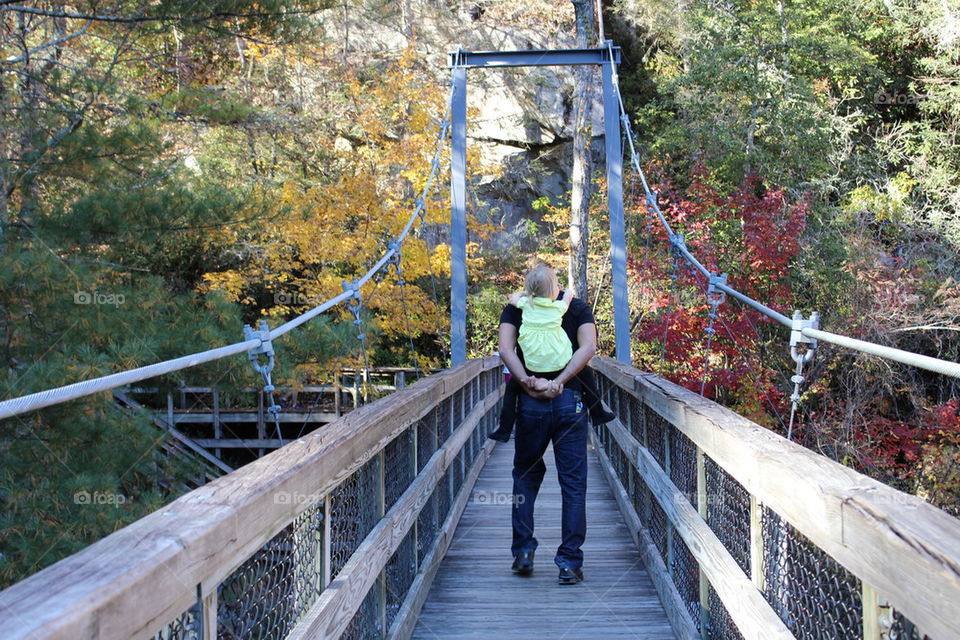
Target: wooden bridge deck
[[474, 594]]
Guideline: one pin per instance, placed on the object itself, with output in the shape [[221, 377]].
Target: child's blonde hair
[[541, 280]]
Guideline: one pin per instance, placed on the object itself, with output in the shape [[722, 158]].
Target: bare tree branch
[[150, 18], [51, 43]]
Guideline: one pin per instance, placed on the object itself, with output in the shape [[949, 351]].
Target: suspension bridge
[[392, 521]]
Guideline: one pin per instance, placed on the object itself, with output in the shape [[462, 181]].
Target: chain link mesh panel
[[398, 467], [618, 460], [815, 597], [623, 405], [399, 574], [269, 592], [456, 474], [426, 438], [722, 626], [367, 622], [637, 424], [658, 528], [428, 522], [185, 627], [443, 494], [636, 494], [656, 428], [686, 577], [457, 408], [354, 507], [728, 512], [683, 464], [444, 412]]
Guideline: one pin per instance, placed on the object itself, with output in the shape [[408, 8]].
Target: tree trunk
[[582, 166], [750, 146]]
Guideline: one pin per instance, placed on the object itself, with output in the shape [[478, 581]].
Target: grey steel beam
[[533, 58], [618, 244], [460, 61], [458, 215]]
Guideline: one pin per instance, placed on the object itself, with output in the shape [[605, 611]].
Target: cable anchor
[[354, 304], [395, 260], [676, 241], [716, 297], [265, 369], [810, 348]]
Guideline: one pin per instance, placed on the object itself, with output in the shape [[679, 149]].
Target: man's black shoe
[[570, 576], [499, 436], [523, 563], [601, 417]]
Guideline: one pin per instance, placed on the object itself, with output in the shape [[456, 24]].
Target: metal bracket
[[797, 338], [677, 245], [715, 295], [395, 259], [266, 347], [354, 304]]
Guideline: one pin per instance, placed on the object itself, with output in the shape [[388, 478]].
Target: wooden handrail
[[902, 547], [136, 580]]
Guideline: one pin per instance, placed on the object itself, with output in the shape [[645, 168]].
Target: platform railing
[[338, 534], [748, 535]]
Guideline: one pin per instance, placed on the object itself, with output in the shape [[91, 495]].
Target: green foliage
[[105, 233]]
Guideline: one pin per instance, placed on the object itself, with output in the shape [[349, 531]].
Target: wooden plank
[[209, 621], [249, 417], [754, 617], [134, 581], [905, 548], [188, 442], [756, 545], [406, 618], [871, 612], [241, 443], [475, 595], [680, 620]]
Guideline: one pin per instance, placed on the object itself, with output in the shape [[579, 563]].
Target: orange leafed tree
[[381, 146]]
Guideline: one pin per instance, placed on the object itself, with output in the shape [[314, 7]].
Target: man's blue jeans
[[562, 420]]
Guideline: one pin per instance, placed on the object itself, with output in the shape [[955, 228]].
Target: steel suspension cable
[[50, 397], [898, 355]]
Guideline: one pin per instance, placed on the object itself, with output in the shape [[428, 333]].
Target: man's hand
[[541, 388]]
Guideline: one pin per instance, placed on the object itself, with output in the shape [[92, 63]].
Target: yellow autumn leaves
[[324, 233]]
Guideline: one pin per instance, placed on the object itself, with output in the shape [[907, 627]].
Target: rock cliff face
[[520, 119]]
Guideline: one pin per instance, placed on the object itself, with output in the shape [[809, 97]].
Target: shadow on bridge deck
[[475, 595]]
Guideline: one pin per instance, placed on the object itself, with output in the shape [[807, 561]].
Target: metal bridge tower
[[460, 61]]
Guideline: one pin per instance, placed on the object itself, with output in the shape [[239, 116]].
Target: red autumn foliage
[[753, 235]]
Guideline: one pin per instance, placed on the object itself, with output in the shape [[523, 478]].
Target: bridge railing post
[[704, 584], [327, 540], [208, 622]]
